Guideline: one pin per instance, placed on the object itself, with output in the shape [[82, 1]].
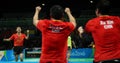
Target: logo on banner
[[82, 53]]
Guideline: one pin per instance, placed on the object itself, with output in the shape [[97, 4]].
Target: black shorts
[[18, 49]]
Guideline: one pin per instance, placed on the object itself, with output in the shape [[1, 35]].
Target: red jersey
[[18, 40], [106, 33], [54, 40]]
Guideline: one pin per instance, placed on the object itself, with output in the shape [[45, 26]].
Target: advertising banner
[[82, 53]]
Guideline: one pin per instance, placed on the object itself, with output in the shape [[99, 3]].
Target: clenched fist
[[38, 8], [28, 31], [67, 10]]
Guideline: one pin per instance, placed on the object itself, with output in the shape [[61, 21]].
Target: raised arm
[[6, 39], [36, 15], [71, 18], [27, 35]]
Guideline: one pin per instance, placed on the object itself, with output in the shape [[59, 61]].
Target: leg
[[15, 53], [16, 57], [21, 53], [18, 51], [21, 57], [68, 55]]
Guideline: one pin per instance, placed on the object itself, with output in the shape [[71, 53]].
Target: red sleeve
[[40, 25], [118, 18], [118, 21], [90, 26], [71, 26], [12, 37], [24, 35]]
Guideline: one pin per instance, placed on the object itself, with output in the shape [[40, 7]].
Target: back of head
[[56, 12], [103, 6]]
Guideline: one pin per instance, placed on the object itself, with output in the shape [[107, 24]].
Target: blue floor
[[36, 60], [17, 62]]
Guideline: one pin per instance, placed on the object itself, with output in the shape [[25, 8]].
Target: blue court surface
[[83, 55], [36, 60]]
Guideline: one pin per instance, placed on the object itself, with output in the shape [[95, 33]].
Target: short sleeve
[[12, 37], [90, 26], [71, 26], [40, 25], [118, 22], [24, 35], [118, 19]]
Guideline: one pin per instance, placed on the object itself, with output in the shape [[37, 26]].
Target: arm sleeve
[[89, 27], [25, 36], [71, 26], [40, 25], [118, 18], [12, 37]]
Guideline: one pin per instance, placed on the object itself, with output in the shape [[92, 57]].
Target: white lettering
[[102, 23], [76, 53], [110, 22], [108, 26]]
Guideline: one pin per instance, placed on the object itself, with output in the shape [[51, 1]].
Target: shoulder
[[68, 23], [115, 17], [23, 35], [14, 34], [43, 21], [71, 25], [93, 20]]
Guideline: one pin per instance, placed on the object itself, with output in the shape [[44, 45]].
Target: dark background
[[15, 13], [29, 5]]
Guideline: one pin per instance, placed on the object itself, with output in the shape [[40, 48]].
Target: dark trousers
[[109, 61]]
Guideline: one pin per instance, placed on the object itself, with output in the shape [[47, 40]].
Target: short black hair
[[56, 12], [103, 6]]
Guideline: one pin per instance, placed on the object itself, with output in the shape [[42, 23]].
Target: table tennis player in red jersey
[[18, 39], [105, 30], [55, 33]]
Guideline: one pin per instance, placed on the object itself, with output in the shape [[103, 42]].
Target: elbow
[[75, 24], [34, 21]]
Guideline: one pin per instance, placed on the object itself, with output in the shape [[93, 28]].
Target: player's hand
[[28, 31], [67, 10], [38, 8]]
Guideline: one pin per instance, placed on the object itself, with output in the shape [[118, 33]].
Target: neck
[[18, 33], [100, 15], [55, 19]]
